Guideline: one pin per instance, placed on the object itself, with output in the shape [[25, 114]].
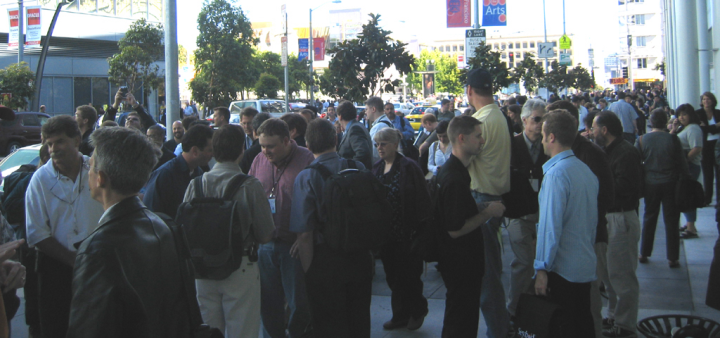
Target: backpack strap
[[197, 184], [351, 164], [324, 171], [387, 123], [234, 185]]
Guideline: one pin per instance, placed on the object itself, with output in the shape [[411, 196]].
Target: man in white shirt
[[59, 212]]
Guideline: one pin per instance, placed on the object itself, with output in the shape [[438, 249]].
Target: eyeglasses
[[537, 119], [381, 144]]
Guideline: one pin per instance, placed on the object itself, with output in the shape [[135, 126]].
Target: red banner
[[458, 13], [13, 37], [319, 49]]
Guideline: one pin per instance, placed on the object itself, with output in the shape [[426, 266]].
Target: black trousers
[[574, 299], [402, 273], [339, 289], [712, 299], [32, 312], [55, 295], [710, 170], [463, 281], [656, 194]]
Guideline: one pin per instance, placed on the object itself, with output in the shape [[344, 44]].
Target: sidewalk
[[662, 290]]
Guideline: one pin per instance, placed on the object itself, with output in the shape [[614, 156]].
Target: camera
[[124, 90]]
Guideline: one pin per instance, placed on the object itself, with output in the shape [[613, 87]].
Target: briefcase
[[537, 317]]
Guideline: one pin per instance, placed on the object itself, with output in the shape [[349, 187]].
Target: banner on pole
[[494, 13], [33, 32], [458, 13], [319, 49], [284, 61], [302, 49], [13, 16]]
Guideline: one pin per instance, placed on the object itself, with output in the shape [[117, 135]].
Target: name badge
[[535, 183], [272, 204]]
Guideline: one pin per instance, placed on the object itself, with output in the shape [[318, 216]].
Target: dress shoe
[[415, 323], [390, 325]]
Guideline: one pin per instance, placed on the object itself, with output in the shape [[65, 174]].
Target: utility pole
[[476, 23], [545, 27], [287, 87], [311, 51], [172, 88], [21, 33], [631, 84]]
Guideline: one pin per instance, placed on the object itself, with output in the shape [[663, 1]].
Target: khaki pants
[[522, 233], [595, 297], [622, 253]]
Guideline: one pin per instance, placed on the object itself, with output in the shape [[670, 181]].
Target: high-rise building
[[641, 41]]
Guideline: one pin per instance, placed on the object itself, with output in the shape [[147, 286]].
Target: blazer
[[356, 144], [708, 129], [522, 200]]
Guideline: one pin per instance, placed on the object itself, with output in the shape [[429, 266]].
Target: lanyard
[[275, 183]]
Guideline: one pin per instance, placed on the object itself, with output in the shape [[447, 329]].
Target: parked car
[[271, 106], [23, 131], [24, 155]]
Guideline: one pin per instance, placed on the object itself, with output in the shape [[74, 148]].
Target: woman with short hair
[[687, 128]]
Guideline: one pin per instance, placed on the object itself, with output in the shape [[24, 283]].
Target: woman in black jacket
[[710, 125], [410, 200]]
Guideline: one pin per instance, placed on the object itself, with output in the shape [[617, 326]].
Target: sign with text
[[302, 49], [494, 13], [284, 41], [565, 59], [545, 50], [618, 81], [13, 16], [473, 38], [319, 49], [461, 61], [33, 33], [458, 13]]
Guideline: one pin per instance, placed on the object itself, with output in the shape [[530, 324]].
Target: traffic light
[[625, 72], [512, 57]]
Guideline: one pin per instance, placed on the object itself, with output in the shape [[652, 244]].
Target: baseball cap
[[479, 78]]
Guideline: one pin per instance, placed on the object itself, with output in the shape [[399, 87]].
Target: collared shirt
[[307, 199], [490, 171], [568, 221], [626, 113], [582, 112], [533, 147], [57, 207], [376, 127], [166, 187], [253, 209], [282, 177], [408, 132]]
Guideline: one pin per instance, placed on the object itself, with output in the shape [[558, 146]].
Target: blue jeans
[[691, 216], [492, 294], [282, 280]]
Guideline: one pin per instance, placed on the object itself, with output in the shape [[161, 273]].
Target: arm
[[54, 249], [39, 232], [263, 225], [147, 120], [553, 199], [408, 132], [431, 159], [694, 152], [428, 141], [305, 249], [495, 209]]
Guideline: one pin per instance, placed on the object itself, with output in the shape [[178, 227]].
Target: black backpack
[[213, 231], [358, 212], [408, 149]]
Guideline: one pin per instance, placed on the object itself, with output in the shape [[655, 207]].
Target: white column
[[704, 52], [670, 59], [715, 46], [686, 52]]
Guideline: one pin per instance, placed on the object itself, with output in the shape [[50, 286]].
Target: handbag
[[537, 316], [689, 195]]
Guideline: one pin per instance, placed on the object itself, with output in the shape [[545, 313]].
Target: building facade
[[641, 42]]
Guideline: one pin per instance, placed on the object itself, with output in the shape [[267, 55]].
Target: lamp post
[[311, 50]]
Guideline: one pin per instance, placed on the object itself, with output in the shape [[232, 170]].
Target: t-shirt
[[690, 137], [456, 205]]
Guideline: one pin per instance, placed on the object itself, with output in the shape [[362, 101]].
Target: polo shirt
[[166, 187], [490, 171]]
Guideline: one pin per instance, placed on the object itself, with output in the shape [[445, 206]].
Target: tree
[[528, 72], [359, 67], [134, 66], [17, 79], [298, 73], [447, 78], [223, 60], [270, 63], [579, 78], [182, 56], [486, 59], [556, 78], [267, 86]]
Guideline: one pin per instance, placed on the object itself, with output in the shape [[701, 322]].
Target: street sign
[[461, 61], [545, 50], [284, 51], [565, 59], [565, 42], [283, 13], [591, 53], [473, 38], [618, 81]]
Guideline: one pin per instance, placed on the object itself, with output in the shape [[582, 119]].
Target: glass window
[[139, 9], [637, 19], [106, 7], [495, 46], [510, 45], [82, 91], [532, 45], [272, 106], [642, 63], [641, 41], [46, 94], [31, 120], [517, 45], [502, 56], [447, 48], [525, 45], [503, 46], [88, 6], [43, 120], [123, 8], [156, 10], [554, 43], [454, 48], [62, 95], [100, 91], [442, 49], [462, 48]]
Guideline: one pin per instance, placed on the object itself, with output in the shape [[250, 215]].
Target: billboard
[[428, 84], [494, 13], [32, 32], [13, 16], [458, 13]]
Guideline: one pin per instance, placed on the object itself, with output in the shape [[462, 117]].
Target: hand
[[131, 100], [541, 280], [495, 209], [295, 249], [7, 250], [119, 97], [12, 275]]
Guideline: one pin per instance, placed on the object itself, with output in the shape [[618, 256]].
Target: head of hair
[[312, 113], [461, 125], [186, 122], [311, 108], [44, 153], [710, 96], [562, 124], [228, 143], [374, 102], [687, 109], [512, 101], [577, 99], [157, 128], [295, 121], [610, 121], [658, 118], [428, 118], [321, 136], [61, 124], [469, 111], [442, 127], [522, 99], [389, 104], [565, 105], [532, 106], [89, 113], [249, 112], [429, 111], [197, 136], [258, 120], [389, 135], [347, 111], [222, 111], [514, 108], [128, 167], [590, 117], [444, 102], [274, 127], [108, 123], [603, 101]]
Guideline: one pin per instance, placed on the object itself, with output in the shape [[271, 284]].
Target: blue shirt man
[[399, 123], [627, 115]]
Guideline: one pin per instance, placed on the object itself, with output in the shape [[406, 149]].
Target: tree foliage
[[529, 73], [182, 56], [223, 60], [579, 78], [134, 65], [359, 67], [17, 79], [447, 78], [486, 59], [299, 74], [267, 86], [559, 78]]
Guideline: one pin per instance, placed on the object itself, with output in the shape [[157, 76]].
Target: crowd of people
[[566, 177]]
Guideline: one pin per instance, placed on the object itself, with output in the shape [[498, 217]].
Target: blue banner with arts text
[[494, 13], [302, 49]]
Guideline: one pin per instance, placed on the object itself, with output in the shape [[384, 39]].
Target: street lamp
[[311, 50]]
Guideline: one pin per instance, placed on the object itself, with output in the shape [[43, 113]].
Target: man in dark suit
[[356, 143]]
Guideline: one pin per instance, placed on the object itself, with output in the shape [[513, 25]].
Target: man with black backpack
[[339, 212], [232, 303]]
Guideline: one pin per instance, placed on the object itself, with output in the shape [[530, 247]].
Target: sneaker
[[608, 323], [616, 331]]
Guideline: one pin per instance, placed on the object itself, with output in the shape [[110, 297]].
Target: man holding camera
[[124, 96]]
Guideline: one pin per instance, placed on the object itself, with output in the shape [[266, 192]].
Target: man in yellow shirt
[[490, 178]]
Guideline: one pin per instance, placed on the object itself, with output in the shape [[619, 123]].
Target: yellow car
[[415, 117]]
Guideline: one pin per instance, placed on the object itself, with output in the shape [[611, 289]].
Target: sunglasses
[[537, 119]]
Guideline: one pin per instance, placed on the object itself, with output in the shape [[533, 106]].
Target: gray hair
[[531, 106], [429, 111], [390, 135], [126, 156]]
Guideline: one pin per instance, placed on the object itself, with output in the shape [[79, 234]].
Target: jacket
[[522, 200], [127, 281], [626, 166], [595, 158], [708, 128], [356, 144]]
